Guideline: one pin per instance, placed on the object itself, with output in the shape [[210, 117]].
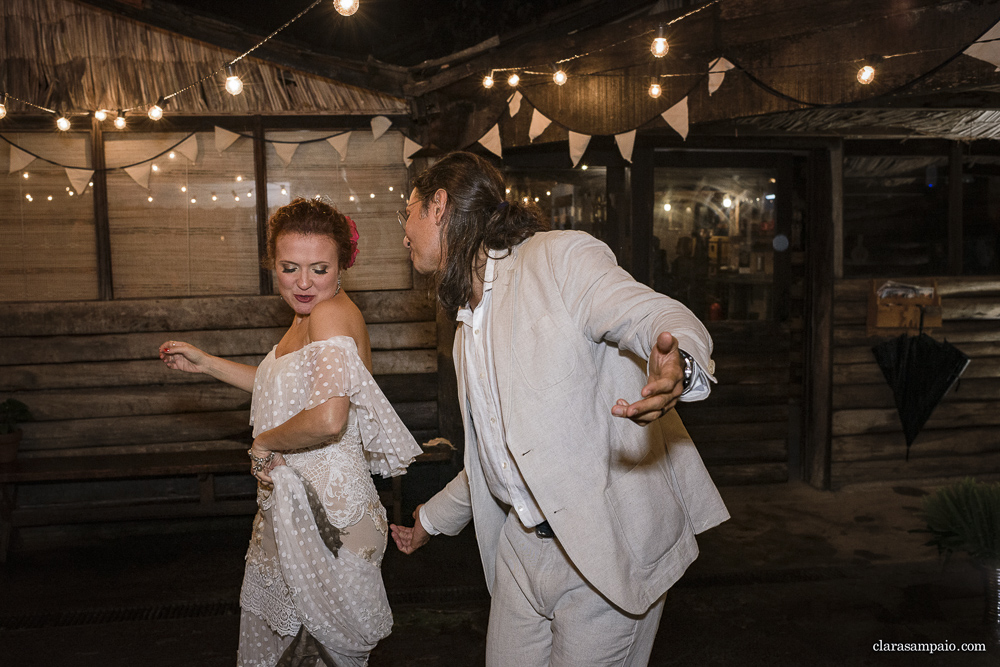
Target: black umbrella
[[920, 371]]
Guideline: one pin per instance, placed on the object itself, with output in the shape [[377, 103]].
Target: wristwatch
[[688, 368]]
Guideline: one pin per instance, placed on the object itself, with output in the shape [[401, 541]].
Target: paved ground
[[796, 577]]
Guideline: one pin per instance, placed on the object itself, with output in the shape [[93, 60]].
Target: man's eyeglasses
[[401, 217]]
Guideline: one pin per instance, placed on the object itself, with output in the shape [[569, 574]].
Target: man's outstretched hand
[[663, 387], [409, 539]]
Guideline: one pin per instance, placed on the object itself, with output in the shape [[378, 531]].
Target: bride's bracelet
[[260, 461]]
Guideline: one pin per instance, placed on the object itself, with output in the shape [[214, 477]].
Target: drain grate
[[117, 615]]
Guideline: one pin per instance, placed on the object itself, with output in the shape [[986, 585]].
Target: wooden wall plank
[[702, 434], [194, 314], [947, 415], [940, 467], [716, 453], [930, 443], [231, 342], [125, 373], [754, 473], [986, 367], [707, 413]]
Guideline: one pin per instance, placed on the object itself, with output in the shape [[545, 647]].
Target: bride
[[313, 583]]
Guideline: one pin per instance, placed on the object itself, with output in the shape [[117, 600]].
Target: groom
[[585, 488]]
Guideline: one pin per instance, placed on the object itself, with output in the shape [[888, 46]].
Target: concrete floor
[[796, 577]]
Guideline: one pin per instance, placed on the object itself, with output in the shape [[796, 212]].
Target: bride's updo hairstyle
[[313, 216]]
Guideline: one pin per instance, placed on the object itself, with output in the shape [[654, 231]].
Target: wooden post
[[102, 229], [955, 231], [260, 176], [837, 207], [818, 409]]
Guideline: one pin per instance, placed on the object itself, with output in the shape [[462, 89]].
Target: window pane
[[369, 185], [193, 230], [47, 242], [571, 198], [713, 235]]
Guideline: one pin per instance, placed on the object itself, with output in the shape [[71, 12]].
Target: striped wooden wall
[[742, 428], [90, 373], [962, 436]]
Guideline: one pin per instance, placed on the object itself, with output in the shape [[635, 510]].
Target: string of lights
[[233, 84]]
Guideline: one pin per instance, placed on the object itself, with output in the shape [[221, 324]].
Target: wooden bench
[[205, 466]]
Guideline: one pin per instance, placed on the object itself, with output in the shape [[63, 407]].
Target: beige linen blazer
[[571, 333]]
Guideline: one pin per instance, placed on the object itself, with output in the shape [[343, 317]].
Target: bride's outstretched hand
[[180, 356], [408, 539]]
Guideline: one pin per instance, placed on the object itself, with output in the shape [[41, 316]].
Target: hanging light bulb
[[727, 202], [559, 78], [63, 123], [234, 86], [101, 115], [866, 74], [156, 111], [513, 80], [120, 120], [488, 80], [659, 47], [346, 7], [655, 90], [3, 105]]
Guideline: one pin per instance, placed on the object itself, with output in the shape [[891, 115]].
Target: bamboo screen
[[369, 185], [47, 240], [193, 231]]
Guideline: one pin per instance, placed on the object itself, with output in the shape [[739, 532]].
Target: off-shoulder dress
[[313, 565]]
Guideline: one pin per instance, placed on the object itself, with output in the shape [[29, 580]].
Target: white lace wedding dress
[[295, 573]]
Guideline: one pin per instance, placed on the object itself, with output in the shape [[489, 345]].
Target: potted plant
[[12, 413], [965, 516]]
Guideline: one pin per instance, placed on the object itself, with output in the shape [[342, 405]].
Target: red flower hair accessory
[[354, 241]]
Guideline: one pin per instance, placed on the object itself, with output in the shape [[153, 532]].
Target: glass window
[[571, 198], [48, 248], [714, 240], [369, 185], [191, 230]]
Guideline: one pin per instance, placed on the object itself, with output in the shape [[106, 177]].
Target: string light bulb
[[120, 120], [659, 47], [3, 105], [866, 75], [513, 80], [488, 81], [346, 7], [63, 123], [101, 115], [156, 111], [655, 90], [234, 85], [559, 78]]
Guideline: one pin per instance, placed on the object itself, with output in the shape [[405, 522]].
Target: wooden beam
[[818, 408], [102, 229], [260, 176], [955, 234]]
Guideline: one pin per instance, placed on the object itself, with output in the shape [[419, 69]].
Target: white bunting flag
[[224, 138], [79, 178], [140, 173], [577, 146], [491, 141], [538, 125], [379, 125], [717, 72], [339, 144], [19, 159], [285, 152], [626, 142], [987, 47], [677, 118], [409, 148], [189, 148], [514, 103]]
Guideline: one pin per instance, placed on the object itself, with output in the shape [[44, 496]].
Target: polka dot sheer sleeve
[[333, 368]]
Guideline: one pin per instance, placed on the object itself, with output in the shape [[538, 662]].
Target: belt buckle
[[544, 530]]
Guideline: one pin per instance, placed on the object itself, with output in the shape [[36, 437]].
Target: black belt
[[544, 530]]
